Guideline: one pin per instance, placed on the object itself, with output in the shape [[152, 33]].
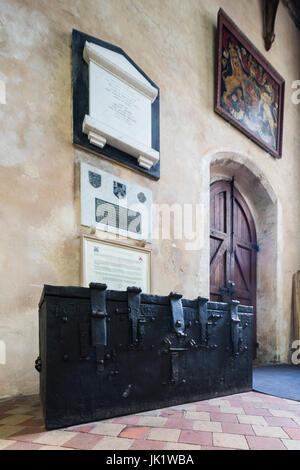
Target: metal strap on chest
[[235, 326], [134, 304], [179, 327], [202, 315], [98, 322], [177, 313]]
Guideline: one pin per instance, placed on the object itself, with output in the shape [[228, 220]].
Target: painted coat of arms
[[250, 93]]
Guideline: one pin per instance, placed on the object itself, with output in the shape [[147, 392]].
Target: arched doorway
[[233, 247], [264, 204]]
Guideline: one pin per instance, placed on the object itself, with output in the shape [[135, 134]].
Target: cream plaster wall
[[173, 41]]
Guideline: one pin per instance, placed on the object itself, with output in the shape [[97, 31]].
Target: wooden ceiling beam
[[294, 10], [270, 11]]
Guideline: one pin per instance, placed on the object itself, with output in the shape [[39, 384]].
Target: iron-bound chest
[[108, 353]]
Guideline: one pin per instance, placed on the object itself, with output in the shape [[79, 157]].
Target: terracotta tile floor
[[244, 421]]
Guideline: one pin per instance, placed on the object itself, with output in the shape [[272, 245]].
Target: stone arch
[[265, 207]]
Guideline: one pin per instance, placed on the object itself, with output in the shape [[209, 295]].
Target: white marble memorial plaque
[[120, 105], [120, 100]]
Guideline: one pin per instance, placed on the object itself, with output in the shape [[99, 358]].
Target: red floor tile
[[196, 437], [83, 441], [133, 419], [239, 404], [294, 433], [147, 445], [286, 406], [173, 423], [23, 446], [262, 396], [82, 428], [257, 411], [135, 432], [28, 435], [277, 421], [172, 414], [207, 408], [269, 398], [224, 417], [214, 448], [266, 405], [173, 419], [232, 428], [264, 443]]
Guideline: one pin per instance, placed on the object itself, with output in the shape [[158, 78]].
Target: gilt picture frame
[[249, 91]]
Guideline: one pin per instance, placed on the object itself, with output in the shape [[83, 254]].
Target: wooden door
[[233, 247]]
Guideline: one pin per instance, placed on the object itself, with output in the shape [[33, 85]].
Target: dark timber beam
[[294, 10], [270, 11]]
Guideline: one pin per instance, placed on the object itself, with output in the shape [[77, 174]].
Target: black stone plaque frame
[[81, 107]]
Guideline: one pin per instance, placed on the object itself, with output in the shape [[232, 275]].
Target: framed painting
[[249, 91]]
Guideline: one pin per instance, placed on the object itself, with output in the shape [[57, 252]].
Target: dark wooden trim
[[270, 11], [293, 7]]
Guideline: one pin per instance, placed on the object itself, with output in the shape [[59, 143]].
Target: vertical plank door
[[233, 247]]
